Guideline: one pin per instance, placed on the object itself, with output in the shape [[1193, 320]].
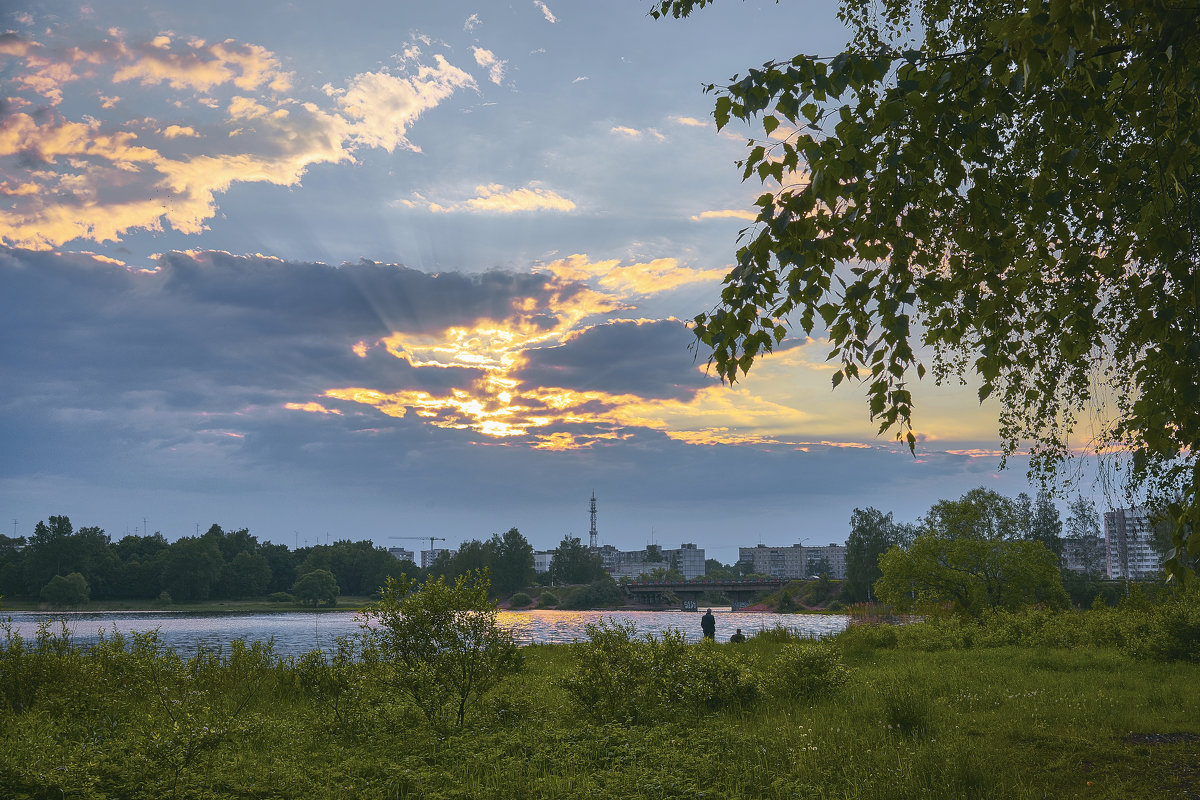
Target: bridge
[[740, 593]]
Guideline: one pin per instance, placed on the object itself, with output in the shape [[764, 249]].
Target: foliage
[[218, 565], [619, 677], [520, 600], [66, 591], [508, 558], [440, 643], [1010, 185], [1082, 537], [547, 600], [601, 593], [316, 587], [1012, 720], [575, 563], [805, 670], [871, 533], [969, 556]]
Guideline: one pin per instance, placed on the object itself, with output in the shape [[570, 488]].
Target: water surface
[[297, 632]]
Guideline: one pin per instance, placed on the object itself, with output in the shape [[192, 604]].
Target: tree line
[[216, 565], [63, 565], [981, 551]]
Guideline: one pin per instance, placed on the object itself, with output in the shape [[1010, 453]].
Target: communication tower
[[593, 541]]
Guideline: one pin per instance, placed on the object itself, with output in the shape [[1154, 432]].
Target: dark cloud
[[649, 359]]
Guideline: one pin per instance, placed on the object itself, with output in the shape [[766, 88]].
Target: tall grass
[[1022, 706]]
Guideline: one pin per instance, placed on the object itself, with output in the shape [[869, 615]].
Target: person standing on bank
[[708, 624]]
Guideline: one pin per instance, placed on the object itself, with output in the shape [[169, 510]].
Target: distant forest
[[218, 565]]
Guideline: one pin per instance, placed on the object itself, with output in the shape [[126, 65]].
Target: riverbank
[[923, 716]]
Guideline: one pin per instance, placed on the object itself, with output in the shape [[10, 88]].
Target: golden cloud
[[652, 277], [383, 106], [98, 183], [726, 213]]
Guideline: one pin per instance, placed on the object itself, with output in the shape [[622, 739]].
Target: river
[[297, 632]]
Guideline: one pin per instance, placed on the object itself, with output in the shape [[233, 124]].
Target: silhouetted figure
[[737, 638], [708, 624]]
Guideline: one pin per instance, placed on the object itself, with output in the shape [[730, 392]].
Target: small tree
[[67, 590], [441, 643], [318, 586]]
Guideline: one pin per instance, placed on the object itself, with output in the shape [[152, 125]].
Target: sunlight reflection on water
[[297, 632]]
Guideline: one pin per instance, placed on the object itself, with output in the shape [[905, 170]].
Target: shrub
[[67, 591], [603, 593], [318, 586], [779, 634], [935, 633], [805, 670], [622, 678], [280, 597], [547, 599], [440, 644], [164, 599], [861, 638], [520, 600]]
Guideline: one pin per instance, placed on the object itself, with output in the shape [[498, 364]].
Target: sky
[[374, 270]]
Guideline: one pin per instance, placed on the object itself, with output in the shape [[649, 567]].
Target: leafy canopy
[[440, 642], [971, 555], [1013, 186]]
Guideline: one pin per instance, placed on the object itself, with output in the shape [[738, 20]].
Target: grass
[[1005, 722]]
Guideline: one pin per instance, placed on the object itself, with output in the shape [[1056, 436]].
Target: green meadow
[[1095, 704]]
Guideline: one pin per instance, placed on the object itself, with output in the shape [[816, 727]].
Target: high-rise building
[[1129, 545], [795, 561], [403, 554]]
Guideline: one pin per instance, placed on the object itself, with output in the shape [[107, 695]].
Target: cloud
[[175, 131], [726, 213], [383, 106], [200, 66], [648, 358], [634, 133], [495, 198], [472, 22], [99, 179], [690, 122], [545, 11], [643, 278], [581, 79], [487, 59]]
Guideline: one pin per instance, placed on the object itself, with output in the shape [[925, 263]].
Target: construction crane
[[431, 539]]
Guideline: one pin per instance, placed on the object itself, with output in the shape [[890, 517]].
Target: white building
[[403, 554], [542, 559], [777, 562], [1129, 545], [687, 559], [1084, 554], [429, 556], [795, 561]]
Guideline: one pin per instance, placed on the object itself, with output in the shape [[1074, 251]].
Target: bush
[[520, 600], [603, 593], [805, 670], [440, 644], [936, 633], [863, 638], [67, 591], [318, 586], [164, 599], [547, 600], [623, 678], [280, 597]]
